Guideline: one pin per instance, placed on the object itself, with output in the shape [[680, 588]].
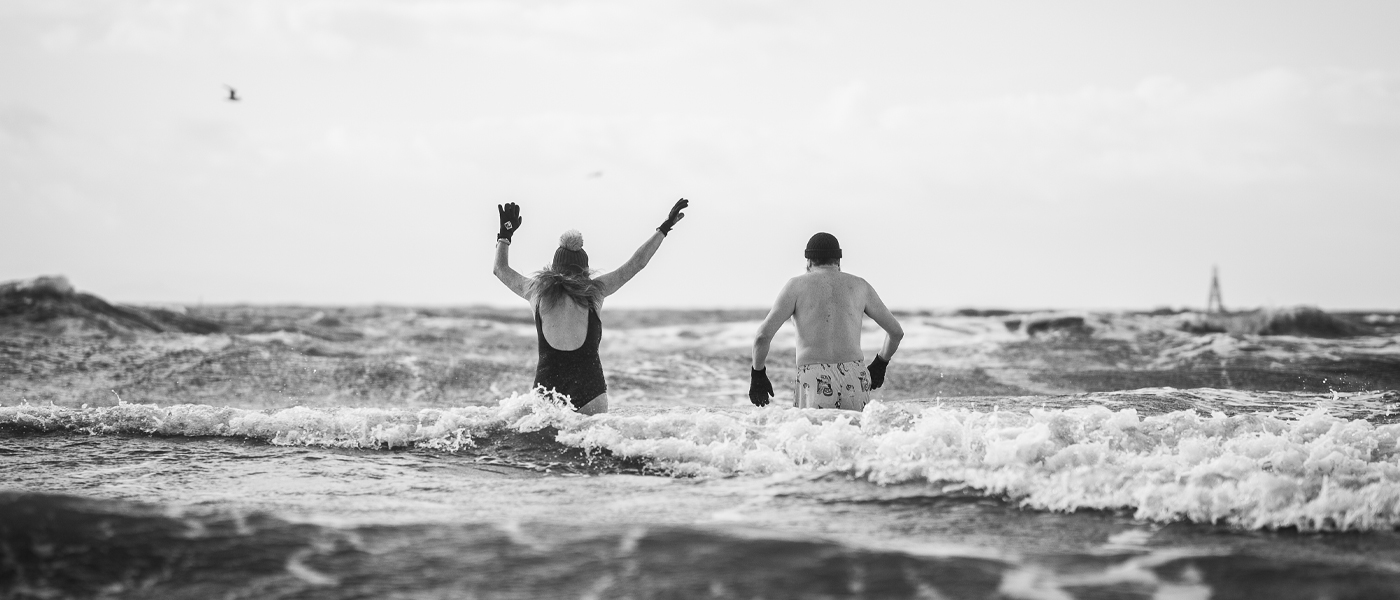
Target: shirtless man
[[829, 306]]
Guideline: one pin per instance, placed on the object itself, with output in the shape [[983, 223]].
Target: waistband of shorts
[[858, 361]]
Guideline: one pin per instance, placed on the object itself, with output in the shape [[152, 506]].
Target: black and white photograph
[[712, 299]]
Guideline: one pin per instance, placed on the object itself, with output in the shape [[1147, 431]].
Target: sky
[[1077, 155]]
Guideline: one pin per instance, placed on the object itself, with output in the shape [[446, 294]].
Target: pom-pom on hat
[[570, 257], [823, 245]]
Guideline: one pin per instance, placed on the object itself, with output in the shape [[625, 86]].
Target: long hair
[[550, 285]]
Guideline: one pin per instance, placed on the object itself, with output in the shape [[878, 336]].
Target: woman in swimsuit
[[565, 299]]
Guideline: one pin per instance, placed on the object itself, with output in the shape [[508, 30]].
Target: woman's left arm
[[610, 283]]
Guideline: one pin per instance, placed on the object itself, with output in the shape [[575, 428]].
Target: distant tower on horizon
[[1215, 304]]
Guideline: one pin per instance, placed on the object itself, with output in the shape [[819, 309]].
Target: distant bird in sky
[[232, 93]]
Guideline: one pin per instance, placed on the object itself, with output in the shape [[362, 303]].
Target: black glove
[[760, 389], [675, 216], [510, 220], [877, 372]]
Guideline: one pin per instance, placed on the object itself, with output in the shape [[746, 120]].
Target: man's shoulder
[[845, 283], [817, 276], [855, 281]]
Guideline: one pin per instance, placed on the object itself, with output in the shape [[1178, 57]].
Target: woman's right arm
[[510, 223], [612, 282], [515, 281]]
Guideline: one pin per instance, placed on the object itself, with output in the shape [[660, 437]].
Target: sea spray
[[335, 427], [1311, 470]]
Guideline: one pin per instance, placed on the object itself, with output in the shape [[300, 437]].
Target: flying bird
[[232, 93]]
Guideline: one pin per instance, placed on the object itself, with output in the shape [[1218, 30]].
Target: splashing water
[[1305, 468]]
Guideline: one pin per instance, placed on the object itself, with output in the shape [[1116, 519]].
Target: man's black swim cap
[[823, 245]]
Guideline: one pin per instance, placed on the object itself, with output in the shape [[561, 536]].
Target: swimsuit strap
[[595, 329], [539, 331]]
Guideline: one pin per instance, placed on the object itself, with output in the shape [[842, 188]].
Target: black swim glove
[[510, 220], [760, 389], [675, 216], [877, 372]]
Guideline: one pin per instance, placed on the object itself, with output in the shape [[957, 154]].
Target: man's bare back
[[828, 307]]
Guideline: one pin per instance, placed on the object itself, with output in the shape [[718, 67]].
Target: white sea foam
[[1311, 470]]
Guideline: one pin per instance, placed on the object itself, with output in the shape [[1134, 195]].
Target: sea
[[1158, 493]]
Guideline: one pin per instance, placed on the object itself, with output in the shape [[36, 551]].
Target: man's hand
[[510, 220], [760, 389], [877, 371], [675, 216]]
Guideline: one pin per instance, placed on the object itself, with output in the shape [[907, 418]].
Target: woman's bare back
[[565, 323]]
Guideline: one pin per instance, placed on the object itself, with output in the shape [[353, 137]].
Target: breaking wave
[[1308, 469]]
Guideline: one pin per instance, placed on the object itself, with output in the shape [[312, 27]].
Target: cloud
[[24, 123], [1271, 128], [1268, 127], [607, 30], [775, 117]]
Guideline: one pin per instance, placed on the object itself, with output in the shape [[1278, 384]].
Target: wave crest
[[1309, 470]]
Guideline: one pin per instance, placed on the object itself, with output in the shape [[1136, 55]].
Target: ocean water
[[1149, 493]]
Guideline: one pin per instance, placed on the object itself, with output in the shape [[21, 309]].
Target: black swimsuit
[[578, 373]]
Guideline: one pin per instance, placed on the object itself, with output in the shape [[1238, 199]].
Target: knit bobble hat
[[823, 245], [570, 257]]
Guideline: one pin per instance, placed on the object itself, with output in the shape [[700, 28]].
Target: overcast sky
[[993, 154]]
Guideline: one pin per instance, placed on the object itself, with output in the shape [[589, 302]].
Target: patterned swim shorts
[[842, 385]]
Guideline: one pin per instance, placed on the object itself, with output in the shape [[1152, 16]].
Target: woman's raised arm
[[510, 223], [612, 282]]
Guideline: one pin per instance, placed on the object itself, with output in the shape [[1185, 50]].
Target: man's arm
[[783, 309], [517, 283], [612, 282], [875, 308]]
